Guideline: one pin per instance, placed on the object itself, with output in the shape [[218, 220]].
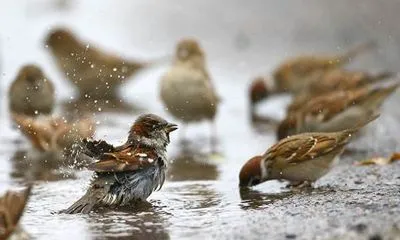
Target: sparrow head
[[258, 90], [59, 38], [31, 75], [287, 127], [151, 130], [187, 49], [251, 173]]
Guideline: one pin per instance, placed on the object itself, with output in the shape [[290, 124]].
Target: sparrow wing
[[95, 148], [302, 148], [128, 159]]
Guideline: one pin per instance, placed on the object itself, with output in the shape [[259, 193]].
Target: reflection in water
[[84, 106], [191, 164], [48, 166], [253, 199], [142, 222]]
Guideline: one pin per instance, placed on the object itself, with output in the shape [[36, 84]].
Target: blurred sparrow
[[97, 74], [334, 80], [54, 134], [335, 111], [12, 206], [379, 160], [127, 173], [186, 89], [31, 93], [293, 75], [299, 158]]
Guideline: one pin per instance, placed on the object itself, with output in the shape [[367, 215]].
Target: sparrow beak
[[171, 127]]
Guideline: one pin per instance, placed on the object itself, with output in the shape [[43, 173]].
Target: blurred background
[[241, 39]]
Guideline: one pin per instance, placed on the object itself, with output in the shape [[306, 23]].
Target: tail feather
[[382, 75], [346, 57], [361, 124], [84, 205]]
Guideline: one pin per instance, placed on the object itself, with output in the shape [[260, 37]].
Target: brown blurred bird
[[12, 206], [97, 74], [294, 74], [338, 79], [31, 93], [54, 134], [336, 111], [299, 158], [186, 89]]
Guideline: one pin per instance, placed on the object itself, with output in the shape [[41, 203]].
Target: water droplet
[[114, 69]]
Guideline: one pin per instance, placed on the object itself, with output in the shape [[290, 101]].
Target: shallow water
[[200, 199]]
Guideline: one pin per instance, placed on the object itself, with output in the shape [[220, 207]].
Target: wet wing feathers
[[128, 159]]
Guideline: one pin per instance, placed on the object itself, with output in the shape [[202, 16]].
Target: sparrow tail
[[382, 75], [84, 205], [360, 124], [352, 53]]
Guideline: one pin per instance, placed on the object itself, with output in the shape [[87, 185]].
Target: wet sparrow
[[186, 89], [97, 74], [130, 172], [335, 111], [299, 158], [12, 206], [334, 80], [31, 93], [54, 134], [294, 74]]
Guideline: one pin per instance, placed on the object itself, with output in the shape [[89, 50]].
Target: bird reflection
[[39, 167], [253, 199], [191, 164], [141, 222], [263, 124]]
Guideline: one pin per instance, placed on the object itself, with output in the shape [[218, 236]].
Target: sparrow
[[294, 74], [379, 160], [186, 89], [299, 158], [128, 173], [31, 93], [96, 73], [337, 79], [335, 111], [54, 134], [12, 205]]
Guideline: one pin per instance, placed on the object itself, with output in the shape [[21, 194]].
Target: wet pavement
[[200, 199]]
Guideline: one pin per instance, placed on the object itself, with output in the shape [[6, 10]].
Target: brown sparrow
[[97, 74], [335, 111], [334, 80], [294, 74], [299, 158], [31, 93], [12, 206], [127, 173], [54, 134], [186, 89]]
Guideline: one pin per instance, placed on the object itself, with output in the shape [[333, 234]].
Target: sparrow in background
[[31, 93], [294, 74], [335, 111], [299, 158], [186, 89], [127, 173], [338, 79], [97, 74], [54, 134], [12, 205]]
